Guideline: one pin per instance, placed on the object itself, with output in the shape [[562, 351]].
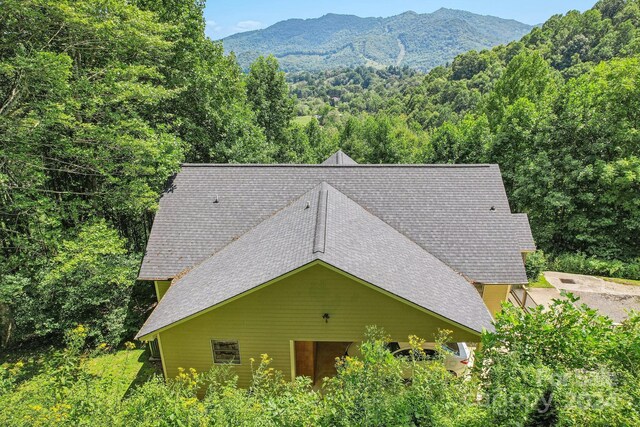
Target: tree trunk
[[6, 325]]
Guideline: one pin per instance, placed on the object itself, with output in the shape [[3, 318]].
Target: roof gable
[[339, 158], [323, 225]]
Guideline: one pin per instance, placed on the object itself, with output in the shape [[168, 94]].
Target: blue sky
[[229, 17]]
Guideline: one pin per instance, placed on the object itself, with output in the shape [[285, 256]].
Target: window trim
[[213, 352]]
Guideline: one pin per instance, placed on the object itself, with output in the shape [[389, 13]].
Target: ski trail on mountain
[[401, 54]]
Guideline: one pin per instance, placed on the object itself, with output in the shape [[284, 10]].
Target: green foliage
[[99, 104], [369, 389], [565, 365], [77, 389], [527, 76], [70, 387], [535, 263], [268, 94], [582, 264], [460, 143], [89, 281], [216, 121], [556, 112], [352, 90]]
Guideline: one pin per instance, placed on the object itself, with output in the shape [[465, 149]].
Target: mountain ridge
[[420, 41]]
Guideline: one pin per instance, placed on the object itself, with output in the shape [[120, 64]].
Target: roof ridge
[[320, 236], [299, 165]]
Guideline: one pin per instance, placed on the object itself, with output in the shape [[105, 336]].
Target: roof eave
[[151, 279], [148, 336]]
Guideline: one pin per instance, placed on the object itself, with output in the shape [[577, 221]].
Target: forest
[[101, 101]]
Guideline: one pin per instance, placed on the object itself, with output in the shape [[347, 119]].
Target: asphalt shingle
[[458, 213], [323, 224], [339, 158], [523, 231]]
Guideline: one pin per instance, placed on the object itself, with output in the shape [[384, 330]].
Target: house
[[287, 259]]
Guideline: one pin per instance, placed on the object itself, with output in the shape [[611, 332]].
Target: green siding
[[266, 321], [162, 286], [494, 295]]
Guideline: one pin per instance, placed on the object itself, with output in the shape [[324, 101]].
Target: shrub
[[367, 388], [371, 390], [563, 365], [581, 264], [9, 376], [535, 264]]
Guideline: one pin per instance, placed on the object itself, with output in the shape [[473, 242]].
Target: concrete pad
[[583, 283], [610, 299], [543, 296]]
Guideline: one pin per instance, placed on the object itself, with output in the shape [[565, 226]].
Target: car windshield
[[452, 347]]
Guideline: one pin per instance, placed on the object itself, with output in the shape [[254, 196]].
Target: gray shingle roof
[[323, 224], [523, 231], [339, 158], [445, 209]]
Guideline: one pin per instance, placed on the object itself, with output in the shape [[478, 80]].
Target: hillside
[[420, 41]]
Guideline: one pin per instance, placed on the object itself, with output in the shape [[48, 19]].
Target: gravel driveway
[[611, 299]]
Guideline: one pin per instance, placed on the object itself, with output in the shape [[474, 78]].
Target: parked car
[[457, 360]]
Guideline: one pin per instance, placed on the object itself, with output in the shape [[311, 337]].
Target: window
[[226, 352]]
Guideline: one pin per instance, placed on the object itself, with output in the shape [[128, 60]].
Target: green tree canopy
[[268, 93]]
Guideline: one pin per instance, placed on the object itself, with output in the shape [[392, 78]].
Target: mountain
[[420, 41]]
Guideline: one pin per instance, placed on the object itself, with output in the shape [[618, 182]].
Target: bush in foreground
[[565, 366]]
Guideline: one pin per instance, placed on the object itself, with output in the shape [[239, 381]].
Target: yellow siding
[[266, 321], [162, 286], [494, 295]]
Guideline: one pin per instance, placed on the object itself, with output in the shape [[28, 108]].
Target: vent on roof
[[321, 221], [216, 199], [568, 281]]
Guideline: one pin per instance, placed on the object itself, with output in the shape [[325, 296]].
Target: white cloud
[[213, 29], [217, 31], [247, 26], [213, 26]]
